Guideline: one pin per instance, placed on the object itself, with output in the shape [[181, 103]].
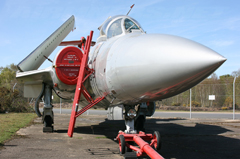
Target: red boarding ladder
[[84, 73]]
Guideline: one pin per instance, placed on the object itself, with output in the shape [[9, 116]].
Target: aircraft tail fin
[[35, 59]]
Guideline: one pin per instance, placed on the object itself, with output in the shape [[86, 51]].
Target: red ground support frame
[[84, 73], [144, 148]]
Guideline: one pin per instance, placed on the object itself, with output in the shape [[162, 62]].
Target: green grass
[[10, 123], [101, 137]]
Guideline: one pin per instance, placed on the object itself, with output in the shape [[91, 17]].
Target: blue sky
[[24, 24]]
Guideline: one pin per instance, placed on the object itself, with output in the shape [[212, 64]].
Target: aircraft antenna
[[130, 9]]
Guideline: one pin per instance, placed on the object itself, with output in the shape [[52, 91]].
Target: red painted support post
[[145, 147]]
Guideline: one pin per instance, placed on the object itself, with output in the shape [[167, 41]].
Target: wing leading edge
[[35, 76]]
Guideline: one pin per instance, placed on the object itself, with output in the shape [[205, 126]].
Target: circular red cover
[[68, 64]]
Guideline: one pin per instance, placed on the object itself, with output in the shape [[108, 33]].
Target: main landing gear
[[47, 116], [134, 133]]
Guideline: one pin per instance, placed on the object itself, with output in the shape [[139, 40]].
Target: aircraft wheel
[[130, 143], [48, 127], [121, 145], [139, 123], [158, 144], [48, 121]]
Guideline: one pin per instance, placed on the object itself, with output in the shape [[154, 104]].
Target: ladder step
[[89, 106]]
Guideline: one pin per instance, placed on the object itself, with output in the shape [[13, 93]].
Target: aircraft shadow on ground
[[179, 140], [110, 128]]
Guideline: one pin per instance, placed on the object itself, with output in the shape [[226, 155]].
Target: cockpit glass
[[129, 25], [104, 27], [117, 25], [115, 29]]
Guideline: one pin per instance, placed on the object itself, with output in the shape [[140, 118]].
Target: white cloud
[[222, 43], [233, 23], [4, 42]]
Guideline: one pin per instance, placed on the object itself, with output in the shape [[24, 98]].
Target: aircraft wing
[[35, 76], [33, 81], [35, 59]]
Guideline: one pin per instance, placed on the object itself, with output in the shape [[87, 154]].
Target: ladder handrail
[[81, 89]]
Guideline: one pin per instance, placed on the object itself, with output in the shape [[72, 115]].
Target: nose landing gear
[[134, 121], [140, 139]]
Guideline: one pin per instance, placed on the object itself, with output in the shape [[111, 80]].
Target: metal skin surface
[[137, 67], [134, 67]]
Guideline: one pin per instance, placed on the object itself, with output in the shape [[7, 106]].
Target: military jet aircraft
[[132, 69]]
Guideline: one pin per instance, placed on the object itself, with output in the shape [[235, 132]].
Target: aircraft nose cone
[[156, 66]]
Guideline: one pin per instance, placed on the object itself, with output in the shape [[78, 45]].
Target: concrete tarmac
[[168, 114], [93, 138]]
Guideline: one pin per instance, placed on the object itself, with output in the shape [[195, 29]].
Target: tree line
[[11, 100], [11, 93], [221, 87]]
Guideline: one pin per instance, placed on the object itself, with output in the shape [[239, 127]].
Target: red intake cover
[[68, 64]]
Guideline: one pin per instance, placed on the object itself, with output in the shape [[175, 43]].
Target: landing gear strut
[[47, 116]]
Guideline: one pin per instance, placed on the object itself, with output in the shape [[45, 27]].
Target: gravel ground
[[93, 138]]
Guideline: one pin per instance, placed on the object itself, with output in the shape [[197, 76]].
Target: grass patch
[[10, 123], [101, 137]]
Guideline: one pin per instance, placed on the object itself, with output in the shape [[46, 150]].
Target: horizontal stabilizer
[[35, 59]]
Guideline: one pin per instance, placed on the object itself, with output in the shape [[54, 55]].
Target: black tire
[[139, 123], [121, 145], [48, 121], [156, 135], [130, 143]]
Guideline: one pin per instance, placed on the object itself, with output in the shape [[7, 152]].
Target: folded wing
[[35, 59]]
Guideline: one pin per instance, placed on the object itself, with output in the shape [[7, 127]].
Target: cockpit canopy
[[119, 25]]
